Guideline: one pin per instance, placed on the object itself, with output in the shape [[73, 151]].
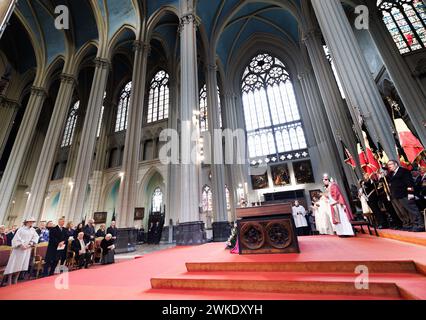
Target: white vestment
[[20, 258], [344, 228], [323, 217], [364, 202], [299, 215]]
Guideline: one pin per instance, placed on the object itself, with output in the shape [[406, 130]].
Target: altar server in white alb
[[340, 210], [299, 215], [23, 242]]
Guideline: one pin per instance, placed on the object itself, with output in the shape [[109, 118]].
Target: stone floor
[[142, 250]]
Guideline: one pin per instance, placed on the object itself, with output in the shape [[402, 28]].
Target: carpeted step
[[418, 238], [285, 286], [408, 267]]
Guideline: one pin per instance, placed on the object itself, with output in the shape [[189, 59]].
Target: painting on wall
[[100, 217], [260, 181], [280, 175], [303, 172], [139, 214], [315, 194]]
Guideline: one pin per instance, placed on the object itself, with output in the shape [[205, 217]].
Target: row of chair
[[38, 256]]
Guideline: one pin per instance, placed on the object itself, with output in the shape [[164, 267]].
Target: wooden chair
[[70, 262], [5, 252], [368, 221], [97, 251], [39, 258]]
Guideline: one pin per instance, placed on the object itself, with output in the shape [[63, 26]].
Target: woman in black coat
[[108, 247]]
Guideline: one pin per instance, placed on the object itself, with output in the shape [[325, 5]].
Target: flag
[[362, 157], [382, 156], [372, 162], [113, 216], [349, 159], [411, 145]]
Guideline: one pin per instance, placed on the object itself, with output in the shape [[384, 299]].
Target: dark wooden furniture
[[369, 222], [126, 240], [5, 252], [267, 229]]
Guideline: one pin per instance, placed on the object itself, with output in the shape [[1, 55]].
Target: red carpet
[[132, 279]]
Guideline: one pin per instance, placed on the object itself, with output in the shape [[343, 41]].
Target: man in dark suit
[[370, 189], [112, 230], [56, 248], [420, 189], [81, 249], [89, 231], [402, 191], [10, 235]]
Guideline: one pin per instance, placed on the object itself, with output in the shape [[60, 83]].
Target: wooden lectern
[[267, 229]]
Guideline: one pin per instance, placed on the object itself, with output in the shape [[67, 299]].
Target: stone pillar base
[[221, 231], [190, 233]]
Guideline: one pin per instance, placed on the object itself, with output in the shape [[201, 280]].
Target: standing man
[[420, 189], [299, 215], [56, 248], [89, 231], [23, 241], [402, 191], [112, 230], [10, 235], [370, 190]]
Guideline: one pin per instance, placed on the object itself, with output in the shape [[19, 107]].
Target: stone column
[[327, 144], [335, 107], [88, 140], [353, 71], [190, 230], [234, 177], [128, 188], [52, 140], [100, 160], [20, 148], [67, 181], [173, 197], [408, 89], [221, 226], [8, 111]]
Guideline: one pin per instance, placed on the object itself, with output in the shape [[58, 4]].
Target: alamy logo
[[62, 21], [362, 20], [363, 280]]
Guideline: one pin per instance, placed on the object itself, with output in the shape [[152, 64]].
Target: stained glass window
[[406, 22], [271, 113], [123, 108], [207, 199], [159, 97], [157, 200], [204, 123], [70, 126]]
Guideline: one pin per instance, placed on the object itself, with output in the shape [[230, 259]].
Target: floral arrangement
[[232, 241]]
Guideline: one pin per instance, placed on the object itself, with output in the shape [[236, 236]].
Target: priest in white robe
[[299, 215], [322, 212], [341, 213], [23, 242]]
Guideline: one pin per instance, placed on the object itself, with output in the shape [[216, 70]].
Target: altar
[[267, 229]]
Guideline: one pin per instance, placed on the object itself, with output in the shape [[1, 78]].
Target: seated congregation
[[29, 253]]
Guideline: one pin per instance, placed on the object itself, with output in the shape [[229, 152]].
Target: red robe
[[338, 197]]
